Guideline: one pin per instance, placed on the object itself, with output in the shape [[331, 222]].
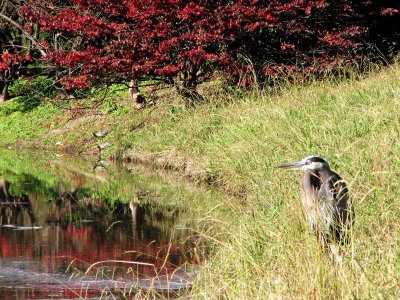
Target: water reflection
[[13, 209], [79, 240]]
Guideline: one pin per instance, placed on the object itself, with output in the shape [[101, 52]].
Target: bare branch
[[29, 36]]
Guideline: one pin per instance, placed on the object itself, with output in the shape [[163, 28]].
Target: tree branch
[[29, 36]]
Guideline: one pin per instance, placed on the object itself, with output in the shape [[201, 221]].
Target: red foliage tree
[[16, 46], [184, 42]]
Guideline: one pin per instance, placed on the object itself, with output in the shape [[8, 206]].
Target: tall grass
[[261, 245], [264, 248]]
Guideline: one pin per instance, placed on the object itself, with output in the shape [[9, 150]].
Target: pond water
[[70, 229]]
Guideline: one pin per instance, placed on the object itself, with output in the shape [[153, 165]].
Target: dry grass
[[264, 249]]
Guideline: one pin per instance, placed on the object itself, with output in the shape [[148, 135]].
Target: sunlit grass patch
[[264, 248]]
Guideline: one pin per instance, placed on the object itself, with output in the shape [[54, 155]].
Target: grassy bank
[[265, 248], [262, 247]]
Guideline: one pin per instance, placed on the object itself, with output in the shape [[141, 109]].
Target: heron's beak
[[293, 165]]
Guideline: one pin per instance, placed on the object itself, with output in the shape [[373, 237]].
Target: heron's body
[[325, 199]]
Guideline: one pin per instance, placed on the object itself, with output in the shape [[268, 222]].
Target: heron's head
[[310, 163]]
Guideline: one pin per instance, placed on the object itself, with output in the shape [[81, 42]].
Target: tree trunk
[[4, 96], [188, 86], [134, 207], [4, 189], [6, 78], [134, 94]]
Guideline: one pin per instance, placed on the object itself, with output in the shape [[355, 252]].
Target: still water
[[72, 230]]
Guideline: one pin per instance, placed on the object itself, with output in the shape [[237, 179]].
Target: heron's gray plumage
[[325, 199]]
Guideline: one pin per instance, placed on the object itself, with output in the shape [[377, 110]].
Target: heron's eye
[[309, 162]]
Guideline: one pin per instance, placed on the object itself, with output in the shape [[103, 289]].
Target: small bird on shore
[[325, 199]]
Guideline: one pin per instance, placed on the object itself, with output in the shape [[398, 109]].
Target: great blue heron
[[325, 199]]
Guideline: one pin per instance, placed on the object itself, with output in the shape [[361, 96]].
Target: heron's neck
[[321, 175]]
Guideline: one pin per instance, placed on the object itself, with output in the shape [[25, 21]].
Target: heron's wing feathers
[[343, 212], [337, 190]]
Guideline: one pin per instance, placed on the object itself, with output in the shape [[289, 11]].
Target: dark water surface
[[71, 230]]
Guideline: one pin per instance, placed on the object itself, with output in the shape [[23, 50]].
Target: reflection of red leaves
[[5, 245], [83, 244], [79, 233]]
